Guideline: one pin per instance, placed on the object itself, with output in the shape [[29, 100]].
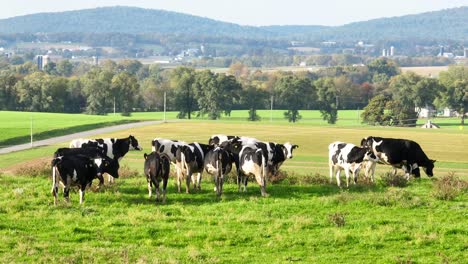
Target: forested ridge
[[445, 24]]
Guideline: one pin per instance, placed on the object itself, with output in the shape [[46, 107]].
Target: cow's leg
[[54, 185], [164, 189], [101, 181], [82, 192], [187, 182], [338, 172], [66, 188], [110, 179], [179, 178], [347, 177], [157, 190], [199, 179], [331, 166], [150, 186]]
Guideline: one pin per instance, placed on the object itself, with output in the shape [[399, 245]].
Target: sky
[[251, 12]]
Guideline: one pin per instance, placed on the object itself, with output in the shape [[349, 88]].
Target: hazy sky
[[251, 12]]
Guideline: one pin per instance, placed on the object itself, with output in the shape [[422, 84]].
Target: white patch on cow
[[75, 176], [383, 157]]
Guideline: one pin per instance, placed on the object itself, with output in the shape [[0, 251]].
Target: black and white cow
[[218, 163], [400, 153], [218, 139], [79, 170], [189, 160], [91, 152], [252, 162], [114, 148], [156, 170], [167, 146], [275, 154], [347, 157]]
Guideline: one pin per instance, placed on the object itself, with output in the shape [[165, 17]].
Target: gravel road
[[83, 134]]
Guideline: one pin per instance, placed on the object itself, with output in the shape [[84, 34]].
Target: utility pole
[[271, 109], [164, 107]]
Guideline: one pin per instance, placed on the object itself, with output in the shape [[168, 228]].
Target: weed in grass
[[404, 260], [390, 180], [449, 187], [338, 219], [126, 172], [397, 197]]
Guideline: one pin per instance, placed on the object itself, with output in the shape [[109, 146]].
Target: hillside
[[445, 24], [122, 20]]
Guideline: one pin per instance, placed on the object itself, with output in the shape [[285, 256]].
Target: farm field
[[305, 219], [15, 127]]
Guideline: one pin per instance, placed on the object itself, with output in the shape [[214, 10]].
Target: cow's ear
[[295, 146], [433, 161]]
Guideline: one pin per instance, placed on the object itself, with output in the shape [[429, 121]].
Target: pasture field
[[305, 219], [15, 127]]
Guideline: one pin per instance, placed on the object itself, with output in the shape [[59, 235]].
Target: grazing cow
[[167, 146], [347, 157], [218, 163], [114, 148], [250, 161], [275, 154], [79, 170], [190, 159], [156, 170], [400, 153]]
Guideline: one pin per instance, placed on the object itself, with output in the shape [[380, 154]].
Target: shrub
[[397, 197], [391, 180], [449, 187], [337, 219], [127, 172], [42, 168]]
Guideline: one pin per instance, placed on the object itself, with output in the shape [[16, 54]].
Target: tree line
[[387, 96]]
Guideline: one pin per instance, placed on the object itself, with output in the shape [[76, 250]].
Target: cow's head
[[370, 156], [289, 149], [107, 165], [367, 142], [134, 143], [429, 166]]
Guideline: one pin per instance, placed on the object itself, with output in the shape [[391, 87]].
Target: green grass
[[296, 223], [15, 127]]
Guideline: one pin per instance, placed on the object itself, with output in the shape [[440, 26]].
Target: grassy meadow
[[304, 220]]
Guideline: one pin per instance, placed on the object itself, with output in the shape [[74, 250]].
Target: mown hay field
[[303, 221]]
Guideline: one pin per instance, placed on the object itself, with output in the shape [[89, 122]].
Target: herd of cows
[[88, 159]]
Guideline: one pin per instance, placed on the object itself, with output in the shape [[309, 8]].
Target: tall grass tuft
[[449, 187], [42, 168], [337, 219], [390, 180]]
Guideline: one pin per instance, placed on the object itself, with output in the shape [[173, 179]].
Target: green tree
[[65, 68], [294, 93], [125, 89], [374, 112], [182, 80], [208, 94], [230, 89], [8, 93], [327, 96], [254, 99], [97, 89], [455, 92]]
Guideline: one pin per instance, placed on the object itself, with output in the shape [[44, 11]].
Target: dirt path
[[83, 134]]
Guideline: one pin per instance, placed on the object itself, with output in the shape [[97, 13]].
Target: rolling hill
[[444, 24]]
